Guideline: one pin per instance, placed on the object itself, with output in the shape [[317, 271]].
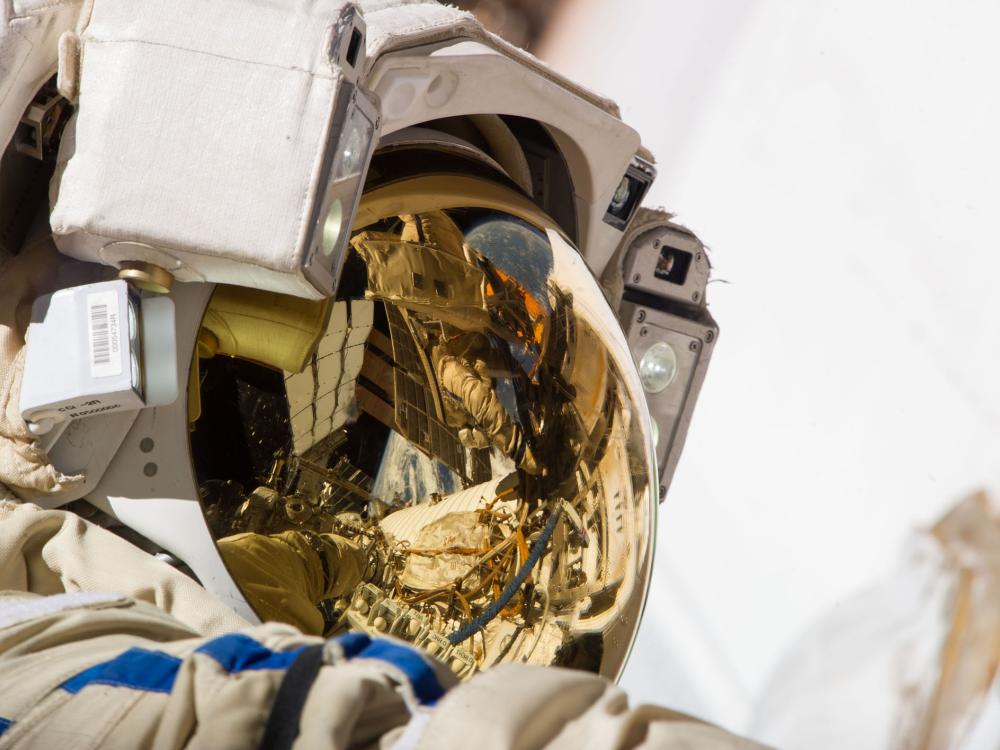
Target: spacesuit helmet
[[367, 311], [464, 409]]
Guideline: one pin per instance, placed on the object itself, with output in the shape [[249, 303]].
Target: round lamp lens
[[331, 229], [350, 158], [136, 372], [133, 322], [658, 367]]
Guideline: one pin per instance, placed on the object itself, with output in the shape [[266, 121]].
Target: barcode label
[[103, 326]]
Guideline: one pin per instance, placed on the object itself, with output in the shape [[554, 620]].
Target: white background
[[841, 161]]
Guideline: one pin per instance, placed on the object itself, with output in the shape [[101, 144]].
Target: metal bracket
[[666, 271], [630, 192], [347, 43], [36, 134]]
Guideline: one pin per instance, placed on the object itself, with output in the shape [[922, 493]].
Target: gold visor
[[463, 458]]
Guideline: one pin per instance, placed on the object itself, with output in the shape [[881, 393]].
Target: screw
[[709, 336], [656, 244], [643, 331], [663, 491], [698, 257], [636, 278], [696, 296], [693, 346], [146, 444], [150, 469], [641, 316]]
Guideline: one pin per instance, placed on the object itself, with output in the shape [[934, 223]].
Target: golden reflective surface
[[471, 423]]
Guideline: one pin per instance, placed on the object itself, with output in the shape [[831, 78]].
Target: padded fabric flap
[[199, 133]]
